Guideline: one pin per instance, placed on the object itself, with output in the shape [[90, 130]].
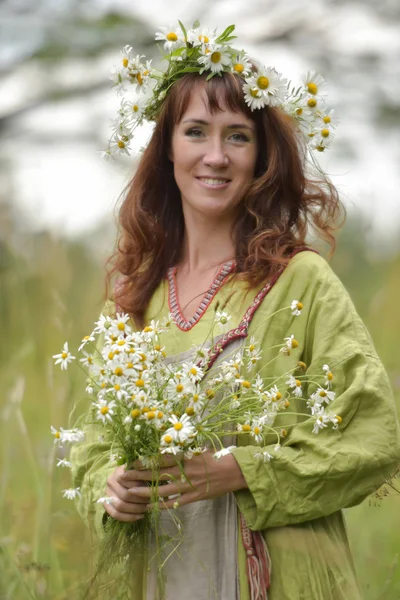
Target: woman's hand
[[204, 478], [126, 506]]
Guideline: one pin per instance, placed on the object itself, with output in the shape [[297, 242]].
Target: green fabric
[[296, 498]]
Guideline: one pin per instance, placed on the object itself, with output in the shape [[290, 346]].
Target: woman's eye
[[194, 133], [239, 137]]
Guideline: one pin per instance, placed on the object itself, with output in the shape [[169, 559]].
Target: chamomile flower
[[62, 462], [222, 318], [193, 372], [127, 57], [86, 340], [57, 435], [182, 428], [201, 36], [322, 138], [223, 452], [328, 375], [253, 97], [321, 421], [296, 307], [120, 145], [295, 385], [313, 83], [179, 387], [290, 343], [64, 358], [172, 38], [119, 325], [256, 431], [264, 456], [215, 59], [269, 84], [87, 360], [72, 493], [105, 409], [323, 395], [72, 436], [242, 65], [326, 119]]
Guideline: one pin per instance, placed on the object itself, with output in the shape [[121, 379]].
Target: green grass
[[50, 291]]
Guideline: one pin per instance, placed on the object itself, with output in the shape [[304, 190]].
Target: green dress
[[296, 498]]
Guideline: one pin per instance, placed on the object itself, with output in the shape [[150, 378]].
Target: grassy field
[[51, 291]]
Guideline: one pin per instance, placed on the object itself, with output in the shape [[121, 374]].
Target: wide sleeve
[[313, 475]]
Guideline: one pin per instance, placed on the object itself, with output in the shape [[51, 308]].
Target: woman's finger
[[122, 516]]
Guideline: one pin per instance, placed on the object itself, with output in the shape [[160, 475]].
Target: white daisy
[[182, 428], [119, 326], [102, 324], [193, 372], [119, 145], [61, 462], [223, 452], [314, 84], [172, 38], [64, 358], [72, 493], [256, 431], [87, 360], [105, 500], [321, 421], [323, 395], [215, 59], [295, 386], [201, 36], [265, 456], [242, 65], [290, 342], [296, 307], [179, 387], [86, 340], [105, 409], [253, 97], [222, 318], [270, 84], [328, 375], [322, 138], [72, 436]]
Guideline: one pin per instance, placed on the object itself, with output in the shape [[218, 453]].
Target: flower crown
[[201, 50]]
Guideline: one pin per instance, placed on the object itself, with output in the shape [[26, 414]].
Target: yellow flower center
[[139, 78], [320, 148], [329, 376], [298, 383], [145, 410], [312, 88], [125, 62], [172, 37], [257, 430], [299, 306], [135, 413], [254, 92], [203, 39], [190, 411], [326, 119], [301, 364], [278, 395], [117, 387], [143, 357], [120, 144], [121, 343], [90, 360], [325, 133], [246, 428], [104, 410], [252, 347], [299, 111], [103, 385], [246, 384], [339, 419], [129, 365], [64, 355], [195, 397], [118, 371], [151, 415], [239, 68], [178, 426], [121, 326], [210, 394], [322, 393], [157, 347], [283, 433], [193, 371], [295, 343], [287, 403], [139, 382], [57, 435], [263, 82], [160, 414], [215, 57], [148, 329], [111, 355], [311, 103], [135, 108], [168, 439], [179, 388]]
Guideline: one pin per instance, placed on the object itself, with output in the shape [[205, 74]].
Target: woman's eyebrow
[[233, 126]]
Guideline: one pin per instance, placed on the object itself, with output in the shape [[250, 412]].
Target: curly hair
[[286, 200]]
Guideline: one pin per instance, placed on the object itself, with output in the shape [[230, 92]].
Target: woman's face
[[214, 157]]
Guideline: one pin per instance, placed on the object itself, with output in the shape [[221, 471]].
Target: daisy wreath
[[201, 50]]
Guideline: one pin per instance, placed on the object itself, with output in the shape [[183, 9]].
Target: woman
[[216, 217]]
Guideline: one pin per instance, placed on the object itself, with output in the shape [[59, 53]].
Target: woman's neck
[[206, 245]]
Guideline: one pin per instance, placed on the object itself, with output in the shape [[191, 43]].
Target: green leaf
[[225, 34], [183, 29]]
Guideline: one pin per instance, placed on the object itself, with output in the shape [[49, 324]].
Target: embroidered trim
[[241, 330], [173, 301], [258, 561]]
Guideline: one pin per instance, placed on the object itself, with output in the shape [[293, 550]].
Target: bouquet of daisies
[[149, 406]]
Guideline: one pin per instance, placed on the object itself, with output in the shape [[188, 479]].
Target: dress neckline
[[173, 301]]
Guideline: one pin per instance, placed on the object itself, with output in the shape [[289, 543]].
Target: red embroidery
[[173, 302]]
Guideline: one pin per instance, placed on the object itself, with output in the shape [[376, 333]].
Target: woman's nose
[[215, 155]]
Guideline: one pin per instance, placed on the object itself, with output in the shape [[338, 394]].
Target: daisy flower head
[[119, 325], [242, 65], [201, 36], [86, 340], [296, 307], [179, 387], [72, 436], [322, 138], [72, 493], [172, 38], [182, 428], [328, 375], [253, 97], [120, 145], [268, 83], [256, 431], [321, 421], [105, 410], [119, 78], [215, 59], [326, 119], [102, 324], [127, 57], [64, 358], [323, 395], [222, 318], [290, 343], [295, 385], [223, 452], [87, 360], [314, 84], [264, 456], [61, 462], [193, 372], [57, 435]]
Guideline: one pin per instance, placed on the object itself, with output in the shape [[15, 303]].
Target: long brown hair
[[282, 204]]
